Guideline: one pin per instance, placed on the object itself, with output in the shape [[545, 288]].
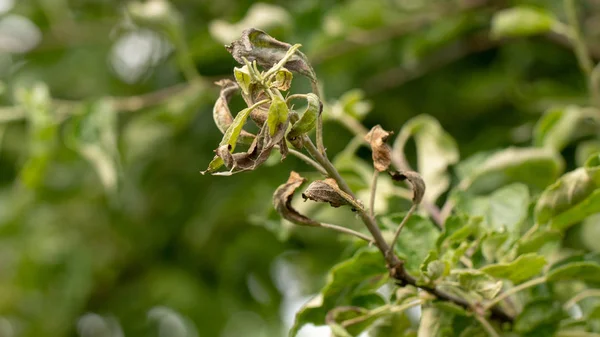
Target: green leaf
[[308, 120], [395, 324], [436, 151], [278, 114], [435, 322], [576, 271], [538, 241], [352, 103], [559, 127], [458, 228], [94, 136], [362, 274], [43, 131], [536, 167], [478, 282], [495, 245], [243, 78], [540, 316], [523, 268], [417, 239], [521, 21], [575, 196]]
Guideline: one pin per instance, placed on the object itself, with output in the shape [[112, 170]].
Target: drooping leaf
[[523, 268], [278, 115], [43, 129], [575, 196], [308, 120], [417, 239], [282, 200], [382, 153], [416, 182], [94, 135], [436, 150], [256, 45], [328, 191], [576, 271], [521, 21], [283, 79], [536, 167], [362, 274], [435, 323]]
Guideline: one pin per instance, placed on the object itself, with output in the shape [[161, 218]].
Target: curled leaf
[[308, 121], [283, 79], [382, 153], [328, 191], [243, 78], [278, 115], [256, 45], [415, 180], [222, 114], [282, 200]]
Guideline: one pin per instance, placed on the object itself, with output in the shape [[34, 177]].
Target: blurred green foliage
[[107, 228]]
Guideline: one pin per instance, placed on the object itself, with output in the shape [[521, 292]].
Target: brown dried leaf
[[328, 191], [415, 180], [221, 112], [382, 153], [282, 200]]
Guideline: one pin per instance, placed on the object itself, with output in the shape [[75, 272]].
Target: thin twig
[[582, 295], [307, 160], [399, 229], [347, 231], [514, 290], [317, 91], [487, 326], [373, 193]]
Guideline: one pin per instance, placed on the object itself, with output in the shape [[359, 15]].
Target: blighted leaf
[[536, 167], [382, 153], [436, 151], [256, 45], [94, 135], [42, 131], [415, 180], [541, 316], [559, 127], [278, 115], [575, 196], [243, 78], [221, 113], [575, 271], [282, 200], [328, 191], [523, 268], [283, 79], [308, 120], [521, 21], [362, 274], [478, 282], [417, 239], [435, 322]]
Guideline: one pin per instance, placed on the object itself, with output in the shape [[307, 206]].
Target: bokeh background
[[108, 229]]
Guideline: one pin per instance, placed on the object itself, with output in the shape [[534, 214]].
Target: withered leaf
[[328, 191], [256, 45], [283, 80], [221, 112], [417, 183], [282, 200], [382, 153]]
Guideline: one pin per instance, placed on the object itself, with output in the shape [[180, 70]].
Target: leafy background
[[107, 228]]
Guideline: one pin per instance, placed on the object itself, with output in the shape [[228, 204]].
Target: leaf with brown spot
[[328, 191], [282, 200], [415, 180], [221, 112], [382, 153]]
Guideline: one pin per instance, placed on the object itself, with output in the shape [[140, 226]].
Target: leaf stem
[[514, 290], [582, 295], [373, 193], [306, 159], [487, 326], [399, 229], [347, 231]]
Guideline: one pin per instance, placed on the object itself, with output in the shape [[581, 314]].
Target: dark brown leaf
[[256, 45], [328, 191], [382, 153], [282, 200], [415, 180]]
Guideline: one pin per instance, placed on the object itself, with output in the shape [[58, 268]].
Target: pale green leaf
[[576, 271], [243, 78], [362, 274], [278, 114], [523, 268], [436, 151], [521, 21], [477, 282], [435, 322], [559, 127], [308, 120]]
